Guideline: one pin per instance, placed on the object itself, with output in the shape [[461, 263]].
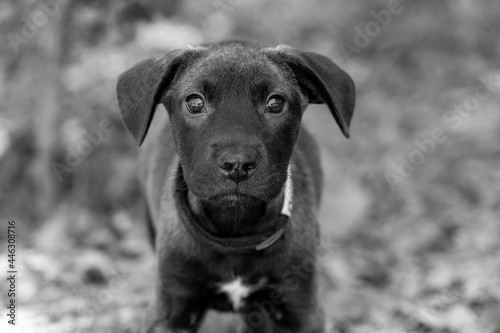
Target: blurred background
[[411, 211]]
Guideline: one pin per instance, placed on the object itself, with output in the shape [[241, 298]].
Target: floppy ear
[[322, 80], [139, 88]]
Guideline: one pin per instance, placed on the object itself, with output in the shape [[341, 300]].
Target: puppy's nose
[[237, 166]]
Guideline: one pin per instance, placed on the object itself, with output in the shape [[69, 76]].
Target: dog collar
[[286, 211], [239, 245], [288, 194]]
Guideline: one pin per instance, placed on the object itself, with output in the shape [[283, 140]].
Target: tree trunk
[[48, 111]]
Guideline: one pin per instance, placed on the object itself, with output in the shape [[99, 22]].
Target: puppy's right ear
[[321, 79], [139, 88]]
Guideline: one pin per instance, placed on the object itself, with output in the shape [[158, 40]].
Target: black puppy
[[232, 182]]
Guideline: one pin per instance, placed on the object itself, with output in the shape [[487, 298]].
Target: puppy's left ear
[[322, 80], [138, 89]]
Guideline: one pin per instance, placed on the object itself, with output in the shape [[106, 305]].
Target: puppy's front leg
[[292, 306], [170, 313], [178, 303]]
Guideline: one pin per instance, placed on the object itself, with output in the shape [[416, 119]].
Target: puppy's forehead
[[238, 63], [236, 55]]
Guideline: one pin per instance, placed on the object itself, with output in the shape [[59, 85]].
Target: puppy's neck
[[236, 221]]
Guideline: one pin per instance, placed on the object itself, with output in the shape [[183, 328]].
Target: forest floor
[[411, 205]]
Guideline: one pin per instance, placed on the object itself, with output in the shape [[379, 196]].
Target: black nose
[[237, 166]]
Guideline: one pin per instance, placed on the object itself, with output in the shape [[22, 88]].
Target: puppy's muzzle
[[237, 164]]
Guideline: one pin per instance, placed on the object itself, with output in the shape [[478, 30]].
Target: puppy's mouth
[[236, 199]]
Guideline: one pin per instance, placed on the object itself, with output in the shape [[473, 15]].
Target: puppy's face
[[235, 119], [235, 111]]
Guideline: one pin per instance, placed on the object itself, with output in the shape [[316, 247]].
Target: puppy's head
[[235, 111]]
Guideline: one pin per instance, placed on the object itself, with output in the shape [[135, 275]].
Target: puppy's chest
[[237, 293]]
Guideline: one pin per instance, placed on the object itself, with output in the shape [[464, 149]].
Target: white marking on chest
[[237, 291]]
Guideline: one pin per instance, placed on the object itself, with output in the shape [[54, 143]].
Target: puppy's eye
[[195, 104], [275, 104]]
